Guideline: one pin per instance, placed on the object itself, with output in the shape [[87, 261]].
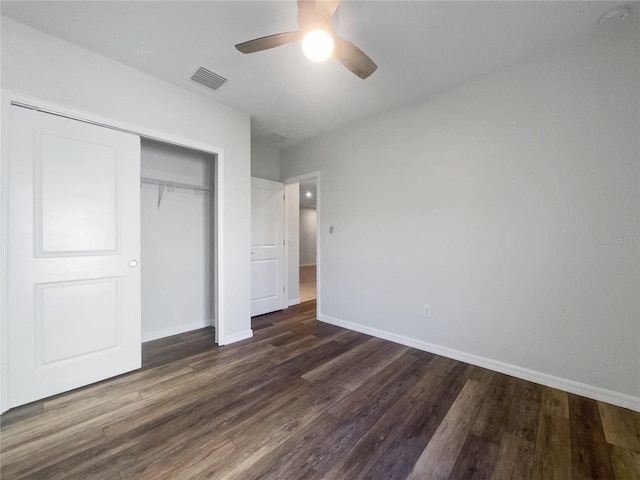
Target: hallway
[[308, 283]]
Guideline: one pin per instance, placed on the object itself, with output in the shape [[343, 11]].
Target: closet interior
[[177, 239]]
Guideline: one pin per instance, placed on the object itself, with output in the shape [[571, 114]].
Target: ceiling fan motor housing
[[311, 19]]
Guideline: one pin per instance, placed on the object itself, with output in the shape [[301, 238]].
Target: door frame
[[7, 100], [297, 179]]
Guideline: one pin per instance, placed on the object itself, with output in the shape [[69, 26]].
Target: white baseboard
[[583, 389], [235, 337], [175, 330], [308, 265], [295, 301]]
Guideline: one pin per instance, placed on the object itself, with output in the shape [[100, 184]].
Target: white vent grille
[[208, 79]]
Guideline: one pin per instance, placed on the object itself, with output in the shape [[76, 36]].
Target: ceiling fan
[[319, 40]]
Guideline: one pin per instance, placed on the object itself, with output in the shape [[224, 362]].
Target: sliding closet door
[[74, 246]]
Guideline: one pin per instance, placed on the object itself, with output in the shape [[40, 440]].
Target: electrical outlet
[[427, 311]]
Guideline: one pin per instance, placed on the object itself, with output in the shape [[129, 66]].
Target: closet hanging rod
[[165, 183]]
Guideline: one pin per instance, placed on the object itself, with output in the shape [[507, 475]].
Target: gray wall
[[510, 205], [265, 162]]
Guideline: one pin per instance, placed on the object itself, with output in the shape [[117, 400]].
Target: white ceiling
[[421, 48]]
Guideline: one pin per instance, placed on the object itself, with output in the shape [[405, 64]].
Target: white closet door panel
[[266, 200], [267, 246], [65, 221], [73, 228], [264, 284], [76, 319]]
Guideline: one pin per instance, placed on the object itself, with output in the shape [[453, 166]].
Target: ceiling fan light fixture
[[317, 20], [317, 45]]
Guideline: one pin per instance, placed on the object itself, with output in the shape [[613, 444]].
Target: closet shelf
[[154, 181], [171, 185]]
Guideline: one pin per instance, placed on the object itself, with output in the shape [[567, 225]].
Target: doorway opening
[[303, 227], [308, 221]]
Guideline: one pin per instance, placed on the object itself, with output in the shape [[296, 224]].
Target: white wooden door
[[74, 246], [267, 247]]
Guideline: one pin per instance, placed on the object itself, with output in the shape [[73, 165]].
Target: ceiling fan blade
[[327, 7], [265, 43], [353, 58]]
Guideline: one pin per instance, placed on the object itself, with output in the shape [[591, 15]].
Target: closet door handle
[[133, 263]]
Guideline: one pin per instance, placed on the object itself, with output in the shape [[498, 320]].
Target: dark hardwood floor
[[307, 400]]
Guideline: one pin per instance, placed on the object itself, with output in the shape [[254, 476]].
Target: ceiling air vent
[[270, 139], [208, 79]]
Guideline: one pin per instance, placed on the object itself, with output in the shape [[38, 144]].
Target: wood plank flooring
[[307, 400], [308, 283]]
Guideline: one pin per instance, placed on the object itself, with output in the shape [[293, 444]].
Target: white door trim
[[7, 99], [297, 179]]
